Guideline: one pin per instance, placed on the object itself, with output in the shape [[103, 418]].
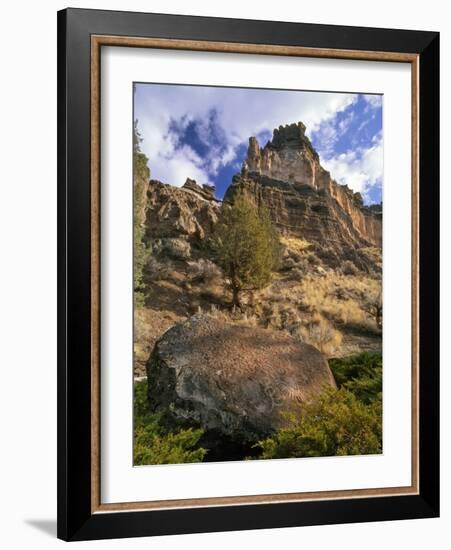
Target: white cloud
[[221, 159], [374, 100], [327, 135], [178, 168], [360, 169], [346, 122], [241, 113]]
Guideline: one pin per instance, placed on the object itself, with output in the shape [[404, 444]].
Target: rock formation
[[302, 198], [286, 177], [206, 191], [231, 378], [190, 211], [177, 217]]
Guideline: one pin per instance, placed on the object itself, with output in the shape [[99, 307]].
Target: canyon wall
[[302, 198]]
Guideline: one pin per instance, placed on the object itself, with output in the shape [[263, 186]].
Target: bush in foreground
[[155, 444], [336, 424], [347, 421], [361, 374]]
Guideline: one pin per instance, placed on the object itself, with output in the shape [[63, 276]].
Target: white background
[[120, 482], [28, 275]]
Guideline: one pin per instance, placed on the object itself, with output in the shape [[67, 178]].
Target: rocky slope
[[233, 371], [176, 218], [172, 221], [189, 212], [330, 275], [303, 199]]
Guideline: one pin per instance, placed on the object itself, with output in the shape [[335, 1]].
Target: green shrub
[[336, 424], [141, 176], [173, 448], [361, 374], [154, 443], [347, 421]]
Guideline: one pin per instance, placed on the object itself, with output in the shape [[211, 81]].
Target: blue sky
[[202, 132]]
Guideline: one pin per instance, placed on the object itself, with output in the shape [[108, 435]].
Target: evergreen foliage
[[336, 424], [246, 246], [141, 176], [347, 421], [154, 443], [361, 374]]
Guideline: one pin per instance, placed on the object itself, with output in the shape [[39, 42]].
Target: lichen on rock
[[232, 379]]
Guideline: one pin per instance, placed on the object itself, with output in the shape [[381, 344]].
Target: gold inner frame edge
[[97, 41]]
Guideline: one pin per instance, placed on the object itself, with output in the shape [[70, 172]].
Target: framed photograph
[[248, 274]]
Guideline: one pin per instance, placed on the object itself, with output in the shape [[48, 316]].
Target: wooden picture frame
[[81, 35]]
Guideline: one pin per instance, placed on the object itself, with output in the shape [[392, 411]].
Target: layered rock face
[[190, 211], [230, 378], [303, 199], [177, 217], [288, 157], [286, 176]]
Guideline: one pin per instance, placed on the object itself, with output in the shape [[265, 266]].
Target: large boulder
[[231, 378]]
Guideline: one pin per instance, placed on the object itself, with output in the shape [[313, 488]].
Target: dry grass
[[349, 268], [373, 254], [294, 243], [204, 271], [328, 308], [339, 299], [235, 316], [319, 332], [298, 254]]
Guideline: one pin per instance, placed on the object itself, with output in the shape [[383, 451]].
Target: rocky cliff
[[286, 177], [178, 217], [190, 211], [331, 264], [302, 197]]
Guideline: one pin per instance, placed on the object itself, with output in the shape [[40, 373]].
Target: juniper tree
[[246, 246], [141, 176], [337, 423]]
